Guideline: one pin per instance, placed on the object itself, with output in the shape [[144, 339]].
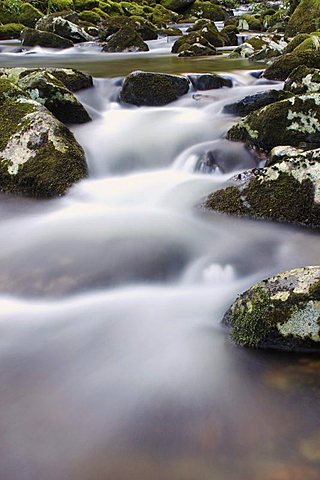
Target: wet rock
[[286, 122], [202, 32], [230, 35], [288, 191], [39, 156], [209, 81], [153, 89], [207, 10], [127, 39], [303, 80], [170, 32], [253, 102], [46, 89], [261, 48], [64, 28], [10, 31], [32, 38], [90, 16], [197, 50], [281, 312], [144, 28], [305, 18]]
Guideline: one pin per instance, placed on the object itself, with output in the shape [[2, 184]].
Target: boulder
[[127, 39], [39, 156], [59, 5], [29, 15], [64, 28], [81, 5], [251, 103], [153, 89], [287, 122], [45, 89], [249, 22], [303, 80], [197, 50], [281, 312], [177, 5], [305, 18], [287, 191], [209, 81], [10, 31], [207, 10], [32, 38]]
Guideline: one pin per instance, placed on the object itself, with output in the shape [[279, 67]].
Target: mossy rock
[[287, 192], [209, 81], [208, 37], [153, 89], [39, 156], [252, 103], [63, 27], [31, 38], [207, 29], [145, 28], [85, 5], [249, 22], [29, 15], [229, 33], [132, 8], [170, 32], [287, 122], [161, 15], [303, 80], [127, 39], [281, 312], [47, 90], [177, 5], [89, 16], [46, 23], [295, 42], [10, 11], [207, 10], [197, 50], [10, 31], [305, 18], [59, 5]]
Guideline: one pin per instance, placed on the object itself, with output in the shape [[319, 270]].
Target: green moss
[[295, 42], [13, 115], [206, 10], [126, 39], [227, 201], [10, 11], [10, 31], [31, 37], [305, 19], [29, 15], [85, 5], [89, 16], [131, 8], [249, 22], [176, 5], [59, 5], [283, 66]]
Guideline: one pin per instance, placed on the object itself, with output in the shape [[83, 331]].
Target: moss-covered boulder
[[81, 5], [127, 39], [10, 31], [29, 15], [113, 24], [201, 39], [47, 90], [39, 156], [169, 32], [261, 48], [197, 50], [209, 81], [208, 10], [287, 191], [305, 18], [253, 102], [177, 5], [64, 28], [249, 22], [89, 16], [281, 312], [153, 89], [282, 67], [295, 42], [288, 122], [72, 79], [59, 5], [31, 38], [159, 15], [229, 33], [303, 80], [207, 29]]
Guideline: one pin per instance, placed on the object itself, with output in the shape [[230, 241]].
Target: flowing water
[[113, 361]]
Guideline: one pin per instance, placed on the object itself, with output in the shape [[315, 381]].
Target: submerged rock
[[32, 38], [254, 102], [209, 81], [39, 156], [46, 89], [288, 191], [287, 122], [127, 39], [281, 312], [153, 89]]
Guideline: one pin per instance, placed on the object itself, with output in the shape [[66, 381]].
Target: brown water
[[113, 361]]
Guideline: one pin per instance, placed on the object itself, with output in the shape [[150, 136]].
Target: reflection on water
[[113, 361]]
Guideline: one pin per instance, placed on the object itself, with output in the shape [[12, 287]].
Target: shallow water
[[113, 361]]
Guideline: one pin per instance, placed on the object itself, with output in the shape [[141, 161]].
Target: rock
[[251, 103], [177, 5], [153, 89], [125, 40], [197, 50], [73, 80], [209, 81], [295, 42], [305, 18], [59, 5], [229, 33], [288, 191], [10, 31], [29, 15], [303, 80], [261, 47], [249, 22], [306, 53], [207, 30], [32, 38], [287, 122], [81, 5], [39, 156], [207, 10], [281, 312], [162, 16], [45, 89], [90, 16], [196, 42], [170, 32], [64, 28]]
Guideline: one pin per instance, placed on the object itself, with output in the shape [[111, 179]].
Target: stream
[[114, 364]]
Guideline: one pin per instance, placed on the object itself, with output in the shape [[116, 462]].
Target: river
[[113, 361]]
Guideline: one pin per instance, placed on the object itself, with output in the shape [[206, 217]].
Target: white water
[[113, 363]]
